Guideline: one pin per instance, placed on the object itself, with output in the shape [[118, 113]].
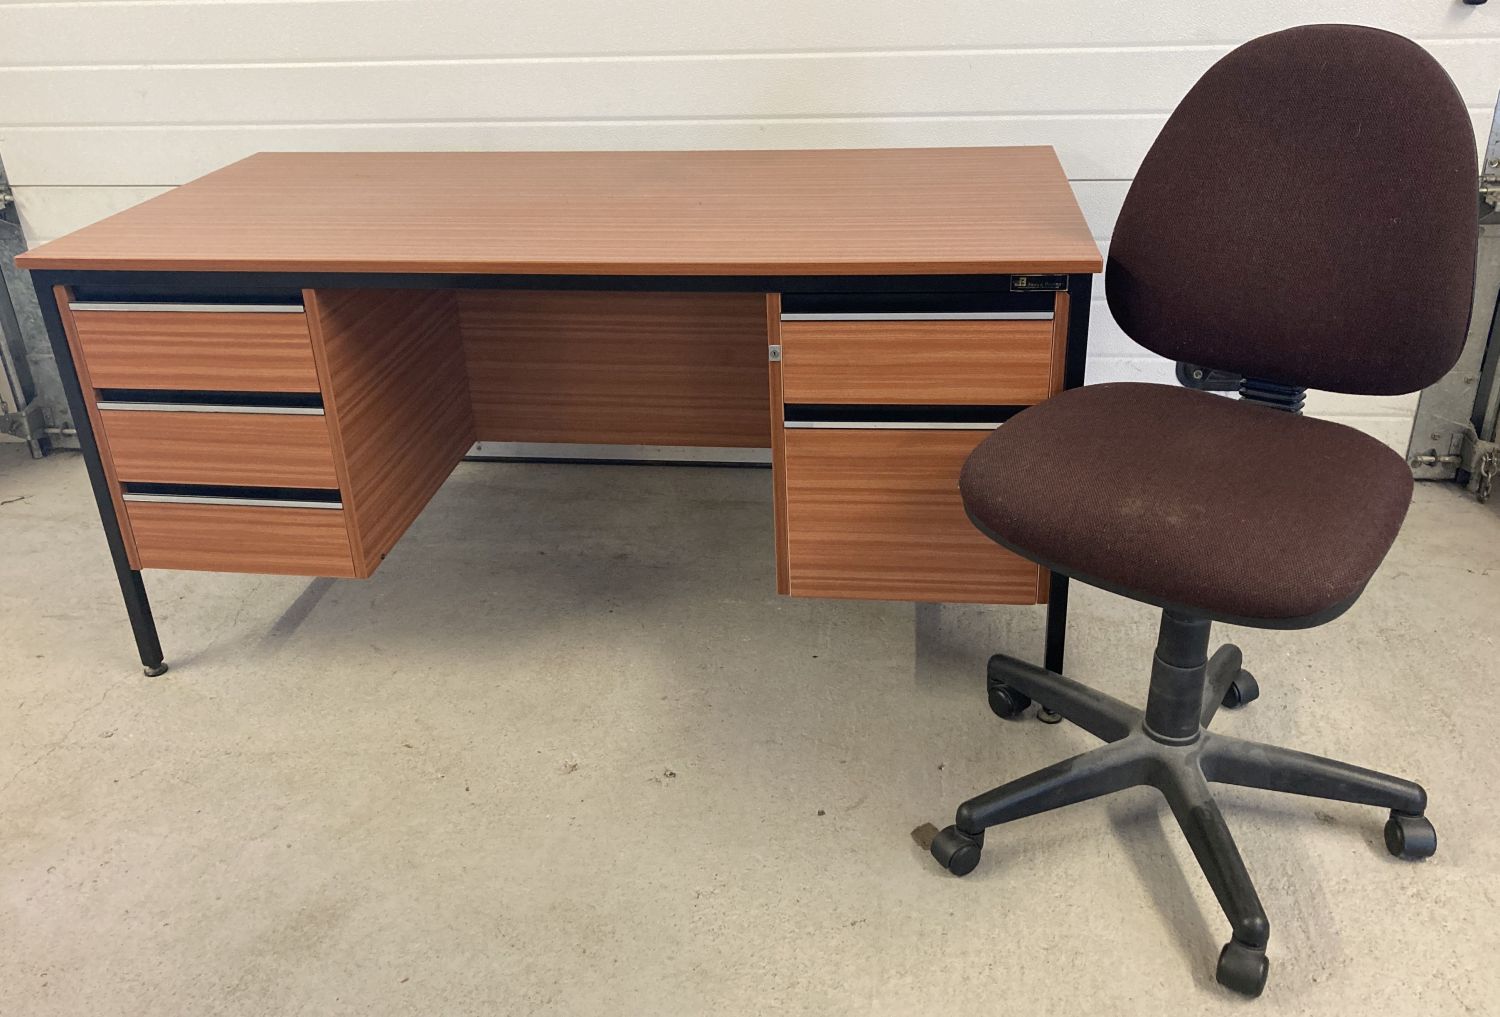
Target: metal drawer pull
[[895, 425], [117, 305], [306, 411], [922, 316], [210, 499]]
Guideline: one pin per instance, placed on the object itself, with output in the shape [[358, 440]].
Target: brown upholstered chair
[[1306, 219]]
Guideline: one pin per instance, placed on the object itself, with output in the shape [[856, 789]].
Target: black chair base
[[1167, 747]]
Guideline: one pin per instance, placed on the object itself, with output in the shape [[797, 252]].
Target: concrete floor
[[569, 754]]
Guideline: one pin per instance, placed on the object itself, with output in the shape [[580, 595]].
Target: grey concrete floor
[[568, 753]]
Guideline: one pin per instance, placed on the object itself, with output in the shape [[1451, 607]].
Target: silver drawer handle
[[305, 411], [209, 499], [119, 305], [895, 425], [923, 316]]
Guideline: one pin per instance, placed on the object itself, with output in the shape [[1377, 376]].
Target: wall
[[106, 103]]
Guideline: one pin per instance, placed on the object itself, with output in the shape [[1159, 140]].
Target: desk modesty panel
[[271, 373]]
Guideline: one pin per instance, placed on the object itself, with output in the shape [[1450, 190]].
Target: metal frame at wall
[[22, 414], [993, 291], [1454, 432]]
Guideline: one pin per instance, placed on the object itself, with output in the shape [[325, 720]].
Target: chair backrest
[[1307, 216]]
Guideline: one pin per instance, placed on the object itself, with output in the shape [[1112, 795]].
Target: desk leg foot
[[142, 624]]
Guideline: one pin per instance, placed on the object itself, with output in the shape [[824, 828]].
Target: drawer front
[[227, 537], [231, 448], [875, 514], [955, 361], [239, 351]]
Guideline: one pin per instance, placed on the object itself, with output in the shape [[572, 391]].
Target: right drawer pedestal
[[877, 401], [875, 514], [965, 362]]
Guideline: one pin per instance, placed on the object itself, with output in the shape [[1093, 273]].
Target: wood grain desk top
[[826, 212]]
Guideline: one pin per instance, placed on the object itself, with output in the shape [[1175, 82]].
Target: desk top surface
[[824, 212]]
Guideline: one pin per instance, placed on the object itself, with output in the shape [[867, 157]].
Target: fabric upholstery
[[1306, 216], [1185, 499]]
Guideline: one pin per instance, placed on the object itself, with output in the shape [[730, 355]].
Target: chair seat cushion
[[1192, 501]]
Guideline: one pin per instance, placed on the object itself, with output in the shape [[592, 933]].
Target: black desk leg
[[1080, 295], [1057, 623], [137, 607], [141, 622]]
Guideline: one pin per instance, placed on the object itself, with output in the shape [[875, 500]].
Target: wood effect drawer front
[[245, 449], [241, 538], [214, 350], [875, 514], [979, 362]]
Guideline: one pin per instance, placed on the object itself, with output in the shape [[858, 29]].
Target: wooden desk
[[273, 368]]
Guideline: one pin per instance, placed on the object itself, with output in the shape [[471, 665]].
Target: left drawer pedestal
[[212, 434], [230, 446], [223, 536]]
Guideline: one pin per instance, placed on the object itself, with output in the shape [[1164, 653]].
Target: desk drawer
[[255, 348], [875, 514], [981, 359], [180, 444], [225, 535]]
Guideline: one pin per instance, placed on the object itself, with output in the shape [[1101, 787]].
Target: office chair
[[1306, 218]]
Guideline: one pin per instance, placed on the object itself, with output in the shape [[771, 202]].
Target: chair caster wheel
[[956, 851], [1242, 691], [1410, 837], [1243, 969], [156, 670], [1047, 716], [1005, 701]]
